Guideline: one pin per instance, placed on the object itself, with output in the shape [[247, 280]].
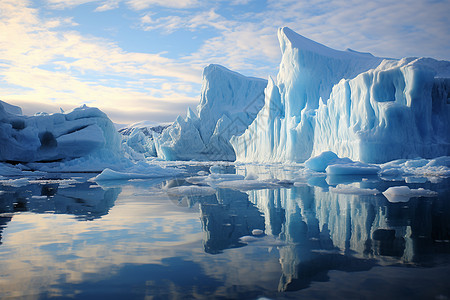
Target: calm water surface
[[134, 240]]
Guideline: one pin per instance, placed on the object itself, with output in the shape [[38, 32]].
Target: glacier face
[[229, 103], [354, 104], [400, 109]]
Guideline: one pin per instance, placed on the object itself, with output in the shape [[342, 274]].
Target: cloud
[[52, 61], [47, 65], [133, 4], [143, 4], [385, 28]]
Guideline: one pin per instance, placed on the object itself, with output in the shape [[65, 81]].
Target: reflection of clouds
[[146, 234], [42, 250]]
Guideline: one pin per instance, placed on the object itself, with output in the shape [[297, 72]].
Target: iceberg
[[396, 194], [82, 140], [354, 104], [51, 138], [138, 138], [229, 103]]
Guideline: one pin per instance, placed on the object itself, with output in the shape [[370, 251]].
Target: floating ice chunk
[[352, 190], [191, 190], [403, 193], [202, 173], [38, 197], [322, 161], [413, 179], [416, 168], [147, 173], [248, 239], [217, 178], [257, 232], [17, 182], [246, 185], [330, 163]]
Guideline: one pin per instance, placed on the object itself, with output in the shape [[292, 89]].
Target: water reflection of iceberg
[[226, 216], [327, 231], [85, 200]]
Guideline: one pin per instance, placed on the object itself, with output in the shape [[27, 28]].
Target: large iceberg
[[82, 140], [354, 104], [229, 103], [55, 137]]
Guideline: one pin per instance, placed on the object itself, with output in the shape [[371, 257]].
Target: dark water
[[133, 240]]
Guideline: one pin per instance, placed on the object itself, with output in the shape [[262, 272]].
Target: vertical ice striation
[[284, 128], [398, 110], [354, 104], [229, 103]]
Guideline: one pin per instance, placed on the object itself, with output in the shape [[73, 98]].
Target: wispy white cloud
[[67, 68], [143, 4], [133, 4], [52, 60]]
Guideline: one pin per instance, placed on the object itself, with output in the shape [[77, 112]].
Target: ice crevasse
[[359, 106]]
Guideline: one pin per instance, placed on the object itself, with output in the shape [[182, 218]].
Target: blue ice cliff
[[229, 102], [354, 104]]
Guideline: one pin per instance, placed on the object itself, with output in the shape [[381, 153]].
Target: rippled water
[[135, 240]]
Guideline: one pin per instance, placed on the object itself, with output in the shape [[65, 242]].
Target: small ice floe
[[330, 163], [16, 182], [403, 193], [257, 232], [202, 173], [147, 172], [38, 197], [352, 190], [246, 185], [248, 239]]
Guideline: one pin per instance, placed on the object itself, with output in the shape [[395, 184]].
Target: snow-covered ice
[[353, 190], [403, 193]]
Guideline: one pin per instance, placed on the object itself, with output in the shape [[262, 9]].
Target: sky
[[143, 59]]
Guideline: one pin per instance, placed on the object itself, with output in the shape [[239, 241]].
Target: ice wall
[[400, 109], [56, 137], [284, 128], [354, 104], [229, 103]]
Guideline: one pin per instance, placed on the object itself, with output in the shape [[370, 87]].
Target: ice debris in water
[[257, 232], [330, 163], [352, 190], [403, 193]]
